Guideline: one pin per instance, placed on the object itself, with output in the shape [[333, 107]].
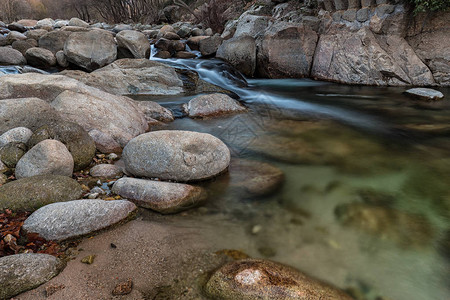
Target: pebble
[[88, 259]]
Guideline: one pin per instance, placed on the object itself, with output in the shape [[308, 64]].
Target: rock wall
[[369, 42]]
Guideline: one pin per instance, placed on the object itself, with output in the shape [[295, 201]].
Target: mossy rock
[[73, 136], [11, 153], [29, 194]]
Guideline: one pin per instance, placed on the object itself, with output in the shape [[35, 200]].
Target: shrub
[[430, 5]]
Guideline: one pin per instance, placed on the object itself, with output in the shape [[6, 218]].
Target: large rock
[[132, 76], [36, 34], [61, 221], [154, 111], [209, 45], [176, 155], [9, 56], [45, 23], [78, 22], [13, 36], [163, 197], [21, 46], [251, 25], [363, 58], [89, 107], [29, 194], [135, 42], [240, 52], [212, 105], [25, 112], [40, 58], [286, 51], [80, 145], [15, 135], [49, 157], [117, 116], [424, 94], [91, 50], [250, 279], [23, 272], [54, 40]]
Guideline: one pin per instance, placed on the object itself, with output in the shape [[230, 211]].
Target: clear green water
[[366, 199]]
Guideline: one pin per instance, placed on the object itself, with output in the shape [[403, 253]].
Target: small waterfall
[[222, 74]]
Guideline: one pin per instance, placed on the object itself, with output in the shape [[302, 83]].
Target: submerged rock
[[255, 178], [163, 197], [49, 157], [29, 194], [424, 94], [250, 279], [61, 221], [176, 155], [212, 105], [384, 222], [23, 272]]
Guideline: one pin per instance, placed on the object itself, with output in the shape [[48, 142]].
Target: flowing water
[[365, 202]]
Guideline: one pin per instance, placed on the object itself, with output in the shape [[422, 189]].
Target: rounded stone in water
[[176, 155]]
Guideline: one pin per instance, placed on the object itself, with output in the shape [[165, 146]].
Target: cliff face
[[349, 41]]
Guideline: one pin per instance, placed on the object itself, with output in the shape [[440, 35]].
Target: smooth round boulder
[[13, 36], [49, 157], [91, 50], [176, 155], [22, 46], [163, 197], [104, 142], [68, 220], [61, 59], [15, 135], [26, 271], [79, 143], [9, 56], [135, 42], [212, 105], [40, 58], [250, 279], [29, 194]]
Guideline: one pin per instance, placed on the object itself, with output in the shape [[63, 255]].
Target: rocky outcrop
[[240, 52], [31, 193], [61, 221], [176, 155], [263, 279], [364, 58], [91, 50], [286, 51], [163, 197], [430, 40], [23, 272]]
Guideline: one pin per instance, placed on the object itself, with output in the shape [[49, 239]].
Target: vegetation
[[430, 5]]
